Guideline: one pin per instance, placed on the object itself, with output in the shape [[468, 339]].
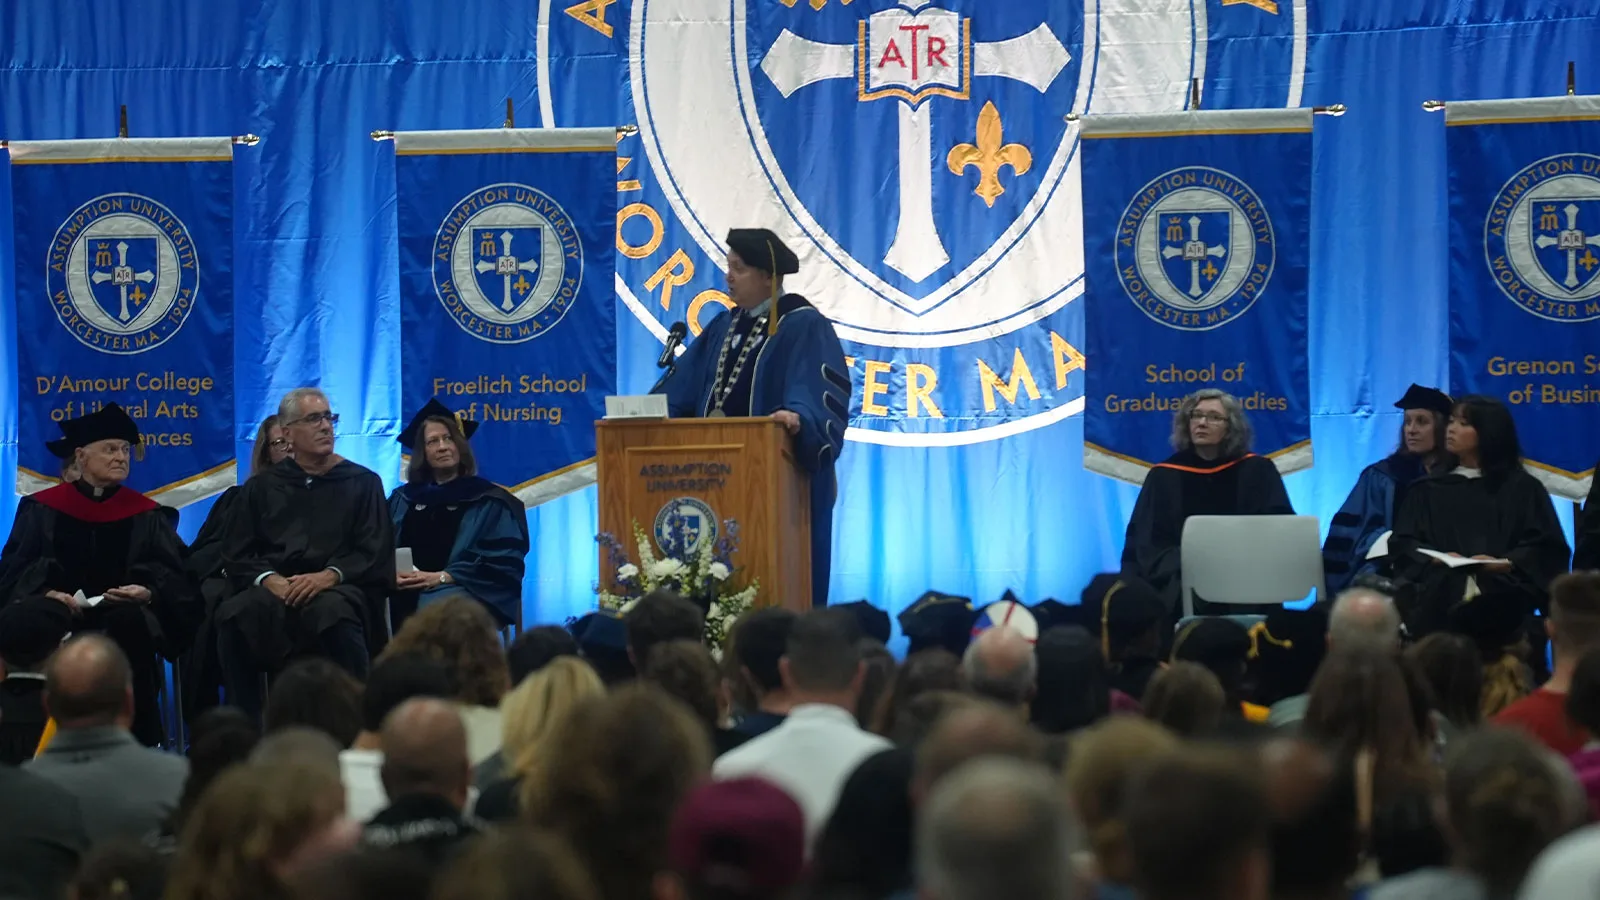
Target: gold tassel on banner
[[772, 314]]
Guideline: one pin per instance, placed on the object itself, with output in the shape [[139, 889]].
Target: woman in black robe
[[115, 547], [1487, 508], [1212, 474]]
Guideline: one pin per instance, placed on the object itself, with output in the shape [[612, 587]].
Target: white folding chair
[[1250, 559]]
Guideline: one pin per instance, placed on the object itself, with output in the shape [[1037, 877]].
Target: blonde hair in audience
[[252, 819], [534, 712], [1100, 766], [1505, 681]]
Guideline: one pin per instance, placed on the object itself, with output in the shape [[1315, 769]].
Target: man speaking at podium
[[774, 355]]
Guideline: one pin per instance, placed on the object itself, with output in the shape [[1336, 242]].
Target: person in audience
[[1103, 763], [1199, 828], [1359, 705], [395, 679], [1508, 798], [742, 839], [1495, 622], [426, 776], [364, 874], [880, 672], [1360, 617], [466, 534], [202, 669], [1453, 670], [298, 746], [221, 737], [759, 639], [686, 670], [121, 870], [915, 721], [1406, 831], [611, 783], [123, 789], [458, 633], [934, 669], [967, 732], [996, 828], [516, 864], [864, 852], [819, 744], [1129, 617], [1000, 665], [1073, 691], [1488, 508], [109, 554], [42, 835], [1287, 646], [658, 617], [27, 638], [1583, 709], [309, 558], [315, 693], [1213, 473], [1223, 646], [1574, 629], [534, 717], [536, 648], [256, 828], [1316, 837], [1370, 510], [1187, 699]]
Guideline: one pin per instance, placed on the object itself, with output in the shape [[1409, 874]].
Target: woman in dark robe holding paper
[[1369, 512], [773, 354], [109, 554], [1487, 508], [1586, 555], [466, 534], [1213, 473]]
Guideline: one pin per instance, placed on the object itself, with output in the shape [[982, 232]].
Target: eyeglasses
[[440, 440], [317, 419], [1218, 418]]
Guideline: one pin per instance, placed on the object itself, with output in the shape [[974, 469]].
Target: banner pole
[[379, 134], [511, 115], [1572, 78]]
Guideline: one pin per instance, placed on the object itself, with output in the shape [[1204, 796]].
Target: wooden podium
[[713, 469]]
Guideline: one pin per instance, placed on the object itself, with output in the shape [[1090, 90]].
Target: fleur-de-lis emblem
[[989, 154], [815, 4]]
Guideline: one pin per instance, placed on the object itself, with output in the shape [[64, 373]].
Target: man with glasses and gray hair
[[309, 554]]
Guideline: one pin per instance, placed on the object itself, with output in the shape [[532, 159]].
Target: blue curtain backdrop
[[317, 276]]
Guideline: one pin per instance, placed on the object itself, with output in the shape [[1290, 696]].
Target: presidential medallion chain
[[722, 387]]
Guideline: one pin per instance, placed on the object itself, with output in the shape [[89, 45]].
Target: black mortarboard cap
[[30, 632], [761, 249], [109, 422], [939, 620], [1493, 618], [1051, 613], [408, 437], [1287, 646], [60, 448], [1210, 641], [1419, 397], [874, 621], [600, 631], [1119, 608]]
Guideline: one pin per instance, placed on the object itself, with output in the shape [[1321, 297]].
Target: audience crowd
[[1309, 754]]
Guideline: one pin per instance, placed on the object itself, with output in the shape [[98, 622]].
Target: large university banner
[[124, 288], [1197, 242], [507, 312], [1525, 274]]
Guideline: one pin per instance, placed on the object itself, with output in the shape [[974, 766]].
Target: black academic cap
[[874, 621], [1419, 397], [1050, 613], [408, 437], [30, 632], [761, 249], [939, 620], [1493, 619], [1212, 640], [60, 448], [1119, 608], [1287, 647], [110, 422], [600, 631]]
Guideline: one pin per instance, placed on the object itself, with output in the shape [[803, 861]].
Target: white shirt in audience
[[483, 724], [361, 772], [810, 756]]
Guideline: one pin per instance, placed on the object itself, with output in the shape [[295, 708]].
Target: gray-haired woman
[[1213, 473]]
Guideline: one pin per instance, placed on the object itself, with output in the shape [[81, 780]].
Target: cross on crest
[[912, 54], [502, 262], [1569, 241], [1187, 247], [122, 276]]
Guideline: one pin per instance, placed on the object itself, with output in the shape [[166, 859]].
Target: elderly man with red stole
[[106, 552]]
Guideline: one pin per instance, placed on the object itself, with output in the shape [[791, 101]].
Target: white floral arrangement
[[705, 576]]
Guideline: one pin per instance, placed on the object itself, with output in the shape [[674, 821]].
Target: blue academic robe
[[1367, 513], [489, 556], [800, 369]]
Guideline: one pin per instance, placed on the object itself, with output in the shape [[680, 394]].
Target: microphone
[[675, 336]]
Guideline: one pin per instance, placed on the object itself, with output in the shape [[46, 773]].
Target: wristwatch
[[444, 579]]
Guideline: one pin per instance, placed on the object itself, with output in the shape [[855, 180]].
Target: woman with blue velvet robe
[[773, 354], [1374, 503], [466, 534]]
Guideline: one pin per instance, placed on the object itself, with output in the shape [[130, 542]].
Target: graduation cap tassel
[[772, 314], [1105, 622], [1258, 631]]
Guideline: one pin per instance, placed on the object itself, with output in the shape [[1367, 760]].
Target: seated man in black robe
[[1586, 555], [309, 553], [1212, 474], [113, 545]]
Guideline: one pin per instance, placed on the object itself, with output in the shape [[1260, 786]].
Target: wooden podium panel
[[739, 469]]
